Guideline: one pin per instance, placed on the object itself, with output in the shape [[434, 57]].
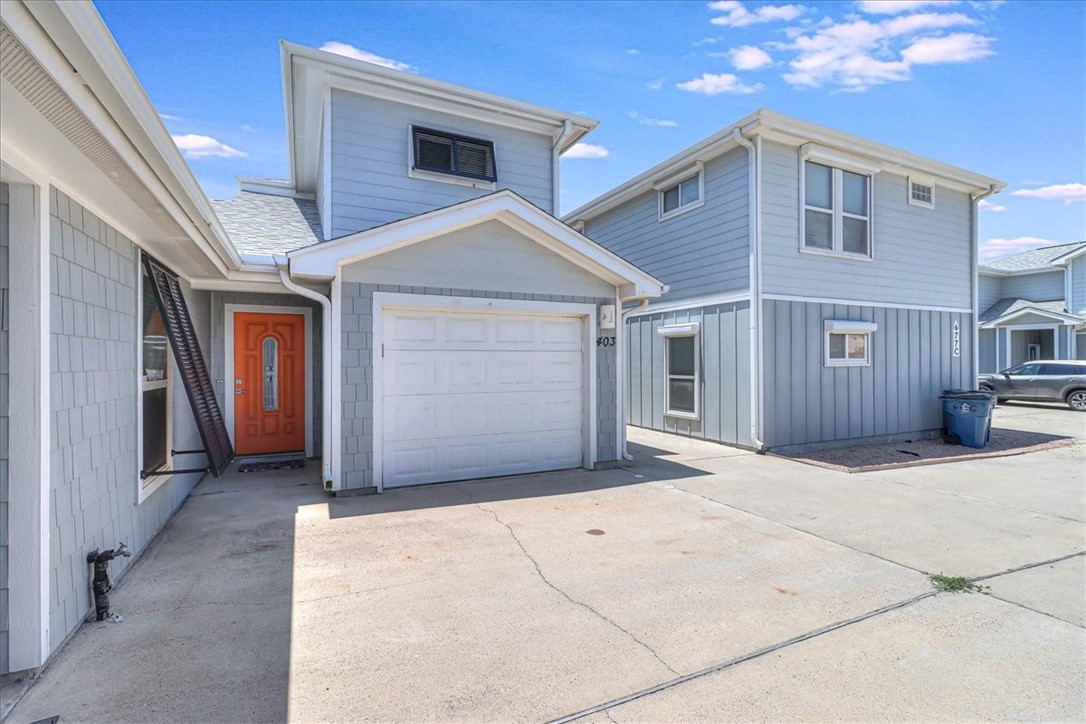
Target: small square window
[[848, 343], [922, 193], [682, 196]]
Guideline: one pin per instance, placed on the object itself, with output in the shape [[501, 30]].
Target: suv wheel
[[1076, 400]]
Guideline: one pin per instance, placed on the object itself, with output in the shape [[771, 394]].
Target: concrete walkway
[[699, 583]]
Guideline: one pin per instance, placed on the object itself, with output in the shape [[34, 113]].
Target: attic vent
[[449, 153], [32, 82]]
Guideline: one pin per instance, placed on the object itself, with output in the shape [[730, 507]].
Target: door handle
[[240, 392]]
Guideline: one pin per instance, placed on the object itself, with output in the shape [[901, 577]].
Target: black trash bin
[[967, 415]]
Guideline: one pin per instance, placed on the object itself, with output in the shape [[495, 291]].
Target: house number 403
[[605, 341]]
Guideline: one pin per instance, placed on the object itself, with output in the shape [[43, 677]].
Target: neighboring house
[[1033, 307], [404, 306], [822, 286]]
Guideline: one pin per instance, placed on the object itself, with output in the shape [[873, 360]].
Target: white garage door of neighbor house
[[475, 394]]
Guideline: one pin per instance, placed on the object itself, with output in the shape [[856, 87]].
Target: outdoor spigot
[[101, 583]]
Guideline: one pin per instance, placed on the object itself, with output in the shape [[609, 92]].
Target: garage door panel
[[467, 395]]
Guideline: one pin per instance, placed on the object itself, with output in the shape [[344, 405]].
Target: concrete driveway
[[698, 583]]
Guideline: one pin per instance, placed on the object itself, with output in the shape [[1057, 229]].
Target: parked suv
[[1041, 381]]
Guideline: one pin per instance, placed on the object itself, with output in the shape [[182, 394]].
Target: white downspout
[[567, 131], [283, 265], [755, 260], [974, 251], [620, 351]]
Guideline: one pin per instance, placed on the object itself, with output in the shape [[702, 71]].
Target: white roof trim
[[323, 261], [790, 130], [1062, 318], [1064, 258]]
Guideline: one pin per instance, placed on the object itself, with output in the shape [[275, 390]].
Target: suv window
[[1027, 370], [1063, 370]]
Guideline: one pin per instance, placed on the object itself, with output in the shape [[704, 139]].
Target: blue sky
[[995, 87]]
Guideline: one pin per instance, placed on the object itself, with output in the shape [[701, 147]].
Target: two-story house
[[404, 306], [1033, 306], [822, 286]]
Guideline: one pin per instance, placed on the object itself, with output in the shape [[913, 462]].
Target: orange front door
[[269, 383]]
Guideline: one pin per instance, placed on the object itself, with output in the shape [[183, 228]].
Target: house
[[404, 306], [1034, 307], [822, 287]]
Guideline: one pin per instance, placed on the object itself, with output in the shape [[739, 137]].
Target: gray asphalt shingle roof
[[1010, 304], [267, 224], [1034, 258]]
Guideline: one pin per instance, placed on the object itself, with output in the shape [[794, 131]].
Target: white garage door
[[475, 394]]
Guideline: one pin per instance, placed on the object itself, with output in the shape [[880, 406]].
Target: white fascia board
[[1061, 318], [153, 142], [1018, 273], [322, 261], [1065, 259]]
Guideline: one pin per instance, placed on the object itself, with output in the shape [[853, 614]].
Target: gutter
[[974, 250], [567, 131], [283, 266], [755, 262], [620, 358]]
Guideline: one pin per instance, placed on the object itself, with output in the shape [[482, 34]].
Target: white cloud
[[953, 48], [349, 51], [858, 54], [168, 117], [1067, 193], [196, 146], [586, 150], [655, 84], [738, 16], [987, 205], [657, 122], [996, 248], [712, 84], [705, 41], [894, 7], [633, 51], [749, 57], [246, 127]]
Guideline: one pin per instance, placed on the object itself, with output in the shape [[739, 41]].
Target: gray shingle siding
[[4, 267], [700, 252], [93, 393], [370, 159], [356, 350], [921, 256]]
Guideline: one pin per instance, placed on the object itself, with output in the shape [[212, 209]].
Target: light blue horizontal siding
[[370, 149], [725, 380], [1042, 287], [912, 362], [989, 292], [921, 256], [701, 252], [1077, 303]]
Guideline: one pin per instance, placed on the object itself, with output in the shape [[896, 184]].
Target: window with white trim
[[848, 343], [836, 210], [156, 397], [682, 366], [921, 192], [682, 196]]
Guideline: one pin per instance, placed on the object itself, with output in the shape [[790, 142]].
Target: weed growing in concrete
[[956, 584]]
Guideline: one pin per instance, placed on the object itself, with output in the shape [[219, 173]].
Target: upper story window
[[681, 196], [921, 192], [836, 210], [452, 154]]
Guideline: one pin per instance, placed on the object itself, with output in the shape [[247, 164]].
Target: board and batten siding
[[1041, 287], [724, 346], [701, 252], [988, 361], [921, 256], [1077, 303], [370, 155], [94, 323], [912, 362], [4, 411]]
